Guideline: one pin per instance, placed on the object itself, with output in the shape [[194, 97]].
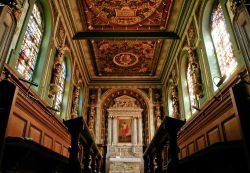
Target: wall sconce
[[196, 108], [218, 84], [221, 80]]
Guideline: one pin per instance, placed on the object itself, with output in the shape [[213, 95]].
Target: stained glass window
[[30, 45], [222, 44], [191, 88], [59, 95]]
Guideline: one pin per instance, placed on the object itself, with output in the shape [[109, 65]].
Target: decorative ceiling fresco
[[126, 57], [126, 14]]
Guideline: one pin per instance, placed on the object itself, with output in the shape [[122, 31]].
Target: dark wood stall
[[162, 153]]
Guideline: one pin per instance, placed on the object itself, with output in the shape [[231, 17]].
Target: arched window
[[222, 43], [31, 44], [61, 84], [191, 93]]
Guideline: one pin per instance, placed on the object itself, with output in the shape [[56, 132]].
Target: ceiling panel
[[115, 51], [126, 14], [125, 57]]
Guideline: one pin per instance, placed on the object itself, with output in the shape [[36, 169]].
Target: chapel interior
[[124, 86]]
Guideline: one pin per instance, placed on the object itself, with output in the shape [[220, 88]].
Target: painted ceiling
[[126, 14], [125, 58]]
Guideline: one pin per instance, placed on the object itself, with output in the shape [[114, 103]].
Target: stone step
[[125, 167]]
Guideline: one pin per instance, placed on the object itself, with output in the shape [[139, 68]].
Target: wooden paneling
[[201, 143], [183, 152], [65, 151], [48, 141], [31, 119], [191, 148], [35, 134], [58, 147], [214, 136], [231, 129], [17, 126], [216, 122]]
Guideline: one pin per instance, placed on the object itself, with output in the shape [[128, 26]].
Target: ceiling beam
[[120, 35]]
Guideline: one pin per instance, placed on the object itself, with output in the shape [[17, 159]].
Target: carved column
[[92, 115], [87, 161], [158, 162], [74, 127], [175, 97], [175, 102], [109, 130], [75, 100], [134, 130], [57, 70], [157, 115], [115, 137], [195, 72], [173, 149], [149, 165], [140, 130], [93, 163]]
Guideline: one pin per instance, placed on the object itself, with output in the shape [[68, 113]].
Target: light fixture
[[221, 80], [196, 108]]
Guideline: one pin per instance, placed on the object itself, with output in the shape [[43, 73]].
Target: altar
[[124, 149]]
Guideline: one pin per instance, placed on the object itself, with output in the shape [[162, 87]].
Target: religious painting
[[125, 130]]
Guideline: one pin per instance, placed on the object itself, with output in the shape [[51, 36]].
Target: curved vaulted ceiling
[[117, 59]]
